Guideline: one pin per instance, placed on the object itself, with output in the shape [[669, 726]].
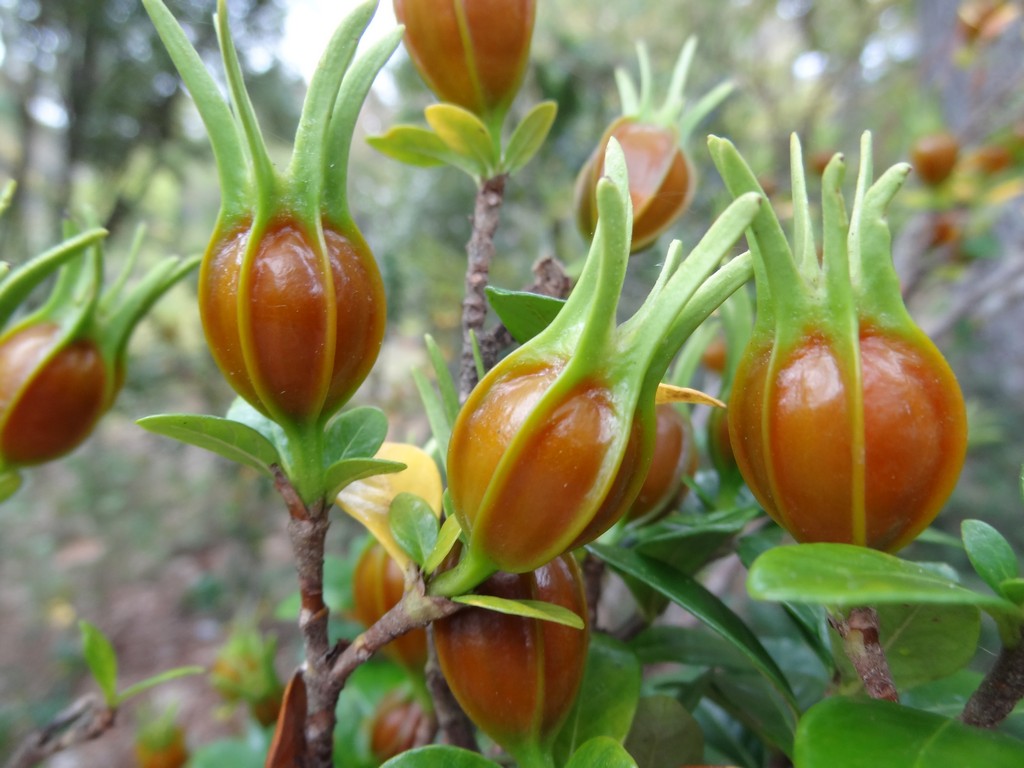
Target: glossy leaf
[[601, 752], [414, 526], [529, 136], [434, 408], [465, 135], [664, 734], [847, 576], [369, 500], [230, 439], [531, 609], [524, 314], [921, 642], [607, 699], [102, 660], [892, 735], [347, 471], [989, 552], [695, 598], [412, 145], [1013, 590], [356, 433], [440, 757], [446, 538]]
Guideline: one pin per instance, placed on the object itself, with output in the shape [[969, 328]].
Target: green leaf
[[346, 471], [524, 314], [433, 406], [155, 680], [607, 698], [664, 734], [989, 552], [446, 539], [440, 757], [691, 595], [530, 609], [443, 377], [529, 136], [247, 752], [225, 437], [242, 412], [10, 482], [601, 752], [102, 660], [357, 433], [888, 734], [848, 576], [465, 135], [413, 525], [415, 145], [922, 643]]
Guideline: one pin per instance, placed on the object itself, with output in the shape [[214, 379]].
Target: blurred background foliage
[[163, 546]]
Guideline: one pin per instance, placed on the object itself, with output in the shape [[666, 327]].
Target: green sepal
[[306, 170], [101, 659], [414, 526], [601, 752], [446, 540], [524, 314], [23, 279], [443, 377], [233, 169], [529, 609], [465, 135], [990, 553], [433, 406], [10, 482], [228, 438], [529, 136]]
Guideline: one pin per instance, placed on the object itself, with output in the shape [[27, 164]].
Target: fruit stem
[[471, 570]]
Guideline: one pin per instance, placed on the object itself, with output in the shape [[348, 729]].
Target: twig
[[1000, 691], [307, 530], [593, 576], [86, 719], [859, 631], [479, 252]]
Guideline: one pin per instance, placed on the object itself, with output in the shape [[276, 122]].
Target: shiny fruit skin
[[661, 180], [472, 53], [517, 678], [934, 156], [378, 585], [673, 458], [293, 341], [519, 489], [793, 425], [50, 400], [398, 726]]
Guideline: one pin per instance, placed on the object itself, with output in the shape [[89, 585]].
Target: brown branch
[[307, 530], [859, 631], [86, 719], [479, 252], [593, 578], [1001, 689]]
